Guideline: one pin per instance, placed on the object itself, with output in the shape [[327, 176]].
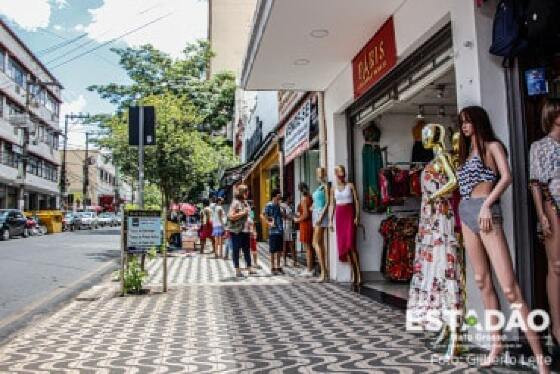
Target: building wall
[[229, 27], [480, 81], [265, 110]]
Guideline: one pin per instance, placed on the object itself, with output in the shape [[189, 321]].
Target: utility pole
[[141, 158], [71, 116], [85, 199]]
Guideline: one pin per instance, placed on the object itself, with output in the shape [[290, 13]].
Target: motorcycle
[[33, 227]]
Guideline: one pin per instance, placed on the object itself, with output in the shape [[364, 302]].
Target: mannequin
[[438, 257], [320, 208], [483, 177], [545, 187], [345, 206]]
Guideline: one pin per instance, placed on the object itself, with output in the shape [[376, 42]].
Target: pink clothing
[[345, 230]]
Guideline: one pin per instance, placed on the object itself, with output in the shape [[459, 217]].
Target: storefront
[[534, 79]]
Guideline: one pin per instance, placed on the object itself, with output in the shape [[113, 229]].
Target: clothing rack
[[407, 163]]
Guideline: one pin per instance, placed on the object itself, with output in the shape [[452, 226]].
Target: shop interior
[[388, 152]]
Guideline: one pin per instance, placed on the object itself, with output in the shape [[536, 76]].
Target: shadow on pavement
[[98, 232], [104, 256]]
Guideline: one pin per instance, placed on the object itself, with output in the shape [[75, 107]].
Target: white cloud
[[185, 21], [29, 14], [58, 27], [61, 3], [79, 27]]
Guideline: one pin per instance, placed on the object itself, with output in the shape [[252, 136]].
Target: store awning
[[322, 38], [234, 174]]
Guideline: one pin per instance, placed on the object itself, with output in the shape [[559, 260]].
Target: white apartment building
[[30, 96]]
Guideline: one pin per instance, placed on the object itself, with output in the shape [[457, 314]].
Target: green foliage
[[134, 276], [189, 109], [152, 197]]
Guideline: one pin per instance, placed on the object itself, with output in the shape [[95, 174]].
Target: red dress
[[305, 226], [206, 227]]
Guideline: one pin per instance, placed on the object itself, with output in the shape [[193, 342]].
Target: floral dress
[[438, 271]]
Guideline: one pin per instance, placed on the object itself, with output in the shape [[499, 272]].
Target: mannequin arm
[[332, 203], [537, 198], [356, 204], [451, 178], [499, 155], [327, 203]]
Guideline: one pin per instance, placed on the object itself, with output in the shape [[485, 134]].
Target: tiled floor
[[212, 322]]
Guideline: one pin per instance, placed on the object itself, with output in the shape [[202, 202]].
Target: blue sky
[[42, 24]]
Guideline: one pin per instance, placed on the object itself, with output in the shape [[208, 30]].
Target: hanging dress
[[372, 163], [438, 281]]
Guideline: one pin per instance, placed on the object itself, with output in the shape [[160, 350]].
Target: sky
[[48, 27]]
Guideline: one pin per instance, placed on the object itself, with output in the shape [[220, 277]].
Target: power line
[[61, 45], [113, 40]]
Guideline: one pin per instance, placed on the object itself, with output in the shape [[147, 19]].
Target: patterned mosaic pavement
[[209, 322]]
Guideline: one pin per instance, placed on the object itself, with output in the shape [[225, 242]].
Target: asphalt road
[[37, 274]]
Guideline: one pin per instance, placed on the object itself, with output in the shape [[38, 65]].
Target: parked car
[[107, 219], [88, 220], [69, 222], [12, 223]]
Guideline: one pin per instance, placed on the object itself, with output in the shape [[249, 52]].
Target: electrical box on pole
[[149, 125]]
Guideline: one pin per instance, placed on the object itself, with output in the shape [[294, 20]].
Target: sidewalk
[[211, 322]]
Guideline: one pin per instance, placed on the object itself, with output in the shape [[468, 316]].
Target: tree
[[153, 72], [190, 109], [182, 156]]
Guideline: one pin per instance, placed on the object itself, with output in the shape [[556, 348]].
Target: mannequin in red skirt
[[345, 209]]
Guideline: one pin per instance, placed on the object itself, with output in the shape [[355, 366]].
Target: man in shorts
[[273, 216]]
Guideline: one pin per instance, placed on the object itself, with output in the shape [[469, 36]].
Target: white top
[[217, 218], [345, 196]]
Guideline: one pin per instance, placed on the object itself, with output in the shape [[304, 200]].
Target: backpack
[[542, 24], [508, 40]]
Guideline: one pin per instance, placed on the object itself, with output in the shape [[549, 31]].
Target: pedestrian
[[239, 228], [228, 245], [218, 221], [253, 236], [273, 216], [303, 218], [289, 234], [205, 231]]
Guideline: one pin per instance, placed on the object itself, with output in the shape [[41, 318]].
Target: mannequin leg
[[481, 267], [552, 244], [496, 246], [317, 244], [323, 254], [358, 268], [443, 334]]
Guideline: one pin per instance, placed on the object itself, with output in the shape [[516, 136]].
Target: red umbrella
[[188, 209]]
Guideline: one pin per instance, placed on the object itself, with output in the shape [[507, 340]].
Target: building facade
[[104, 190], [30, 99], [385, 65]]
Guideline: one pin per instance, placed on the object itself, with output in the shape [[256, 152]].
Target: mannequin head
[[321, 174], [550, 117], [340, 173], [433, 137], [476, 131], [303, 188]]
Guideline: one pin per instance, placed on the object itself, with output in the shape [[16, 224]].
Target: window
[[2, 59], [16, 72], [14, 109], [52, 104]]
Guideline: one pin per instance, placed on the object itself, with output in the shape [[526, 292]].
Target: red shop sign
[[375, 60]]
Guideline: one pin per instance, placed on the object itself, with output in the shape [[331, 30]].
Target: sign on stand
[[141, 231]]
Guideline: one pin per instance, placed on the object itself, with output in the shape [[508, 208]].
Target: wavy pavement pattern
[[209, 323]]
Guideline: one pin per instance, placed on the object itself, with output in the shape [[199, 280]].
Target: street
[[38, 273]]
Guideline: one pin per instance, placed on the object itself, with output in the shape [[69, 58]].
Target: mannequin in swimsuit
[[489, 246]]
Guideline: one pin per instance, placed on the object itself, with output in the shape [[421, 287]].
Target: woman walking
[[239, 229], [205, 231], [218, 222], [305, 227]]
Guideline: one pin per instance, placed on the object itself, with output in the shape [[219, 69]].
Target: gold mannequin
[[318, 228], [433, 137]]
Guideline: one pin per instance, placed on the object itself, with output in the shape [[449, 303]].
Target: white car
[[106, 219], [87, 220]]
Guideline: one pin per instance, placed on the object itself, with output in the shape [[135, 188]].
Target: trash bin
[[52, 219]]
